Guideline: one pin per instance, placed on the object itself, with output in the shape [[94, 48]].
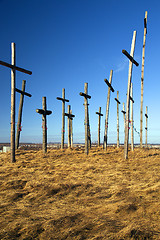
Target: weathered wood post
[[118, 102], [71, 127], [110, 88], [132, 134], [146, 128], [89, 131], [44, 113], [86, 96], [19, 128], [142, 79], [128, 92], [124, 116], [70, 118], [99, 125], [63, 116], [13, 86]]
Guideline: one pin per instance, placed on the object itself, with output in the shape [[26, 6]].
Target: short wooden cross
[[146, 128], [70, 118], [14, 68], [99, 125], [131, 61], [63, 115], [86, 97], [23, 93], [118, 102], [110, 88], [44, 113]]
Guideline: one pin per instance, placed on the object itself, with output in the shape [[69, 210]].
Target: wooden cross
[[132, 134], [142, 79], [99, 125], [110, 88], [14, 68], [86, 97], [70, 118], [131, 61], [63, 116], [44, 113], [22, 92], [89, 132], [146, 128], [124, 116], [118, 102]]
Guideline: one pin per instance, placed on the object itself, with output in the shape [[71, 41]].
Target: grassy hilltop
[[68, 195]]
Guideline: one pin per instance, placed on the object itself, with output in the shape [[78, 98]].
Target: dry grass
[[68, 195]]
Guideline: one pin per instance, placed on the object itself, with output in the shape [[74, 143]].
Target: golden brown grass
[[68, 195]]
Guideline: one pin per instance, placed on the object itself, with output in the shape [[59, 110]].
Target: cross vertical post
[[142, 79], [20, 111], [128, 92], [99, 125], [69, 127], [44, 112], [118, 102], [146, 128], [63, 116], [89, 132], [132, 134], [13, 85], [107, 107], [86, 96]]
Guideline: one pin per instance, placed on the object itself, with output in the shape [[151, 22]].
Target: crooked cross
[[23, 93], [110, 88], [13, 89], [86, 97], [70, 118], [63, 115], [44, 113], [99, 124]]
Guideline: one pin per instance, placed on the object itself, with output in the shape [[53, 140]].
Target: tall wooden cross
[[110, 88], [131, 61], [99, 125], [70, 118], [22, 92], [142, 79], [86, 97], [14, 68], [118, 102], [44, 113], [146, 128], [63, 115], [132, 134]]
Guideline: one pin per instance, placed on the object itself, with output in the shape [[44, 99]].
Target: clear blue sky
[[66, 43]]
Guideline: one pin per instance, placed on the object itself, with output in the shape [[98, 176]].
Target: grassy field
[[68, 195]]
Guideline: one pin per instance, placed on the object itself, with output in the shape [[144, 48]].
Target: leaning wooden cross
[[19, 128], [44, 113], [131, 61], [63, 115], [70, 118], [86, 97], [99, 124], [110, 88], [118, 102], [14, 68]]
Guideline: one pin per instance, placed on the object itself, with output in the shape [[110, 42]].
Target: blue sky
[[66, 43]]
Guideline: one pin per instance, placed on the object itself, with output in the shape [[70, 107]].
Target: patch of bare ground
[[68, 195]]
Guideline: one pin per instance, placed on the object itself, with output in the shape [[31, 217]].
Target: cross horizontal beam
[[109, 85], [145, 23], [146, 115], [84, 95], [123, 112], [22, 92], [131, 99], [69, 115], [117, 101], [41, 111], [62, 99], [100, 114], [15, 67], [130, 57]]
